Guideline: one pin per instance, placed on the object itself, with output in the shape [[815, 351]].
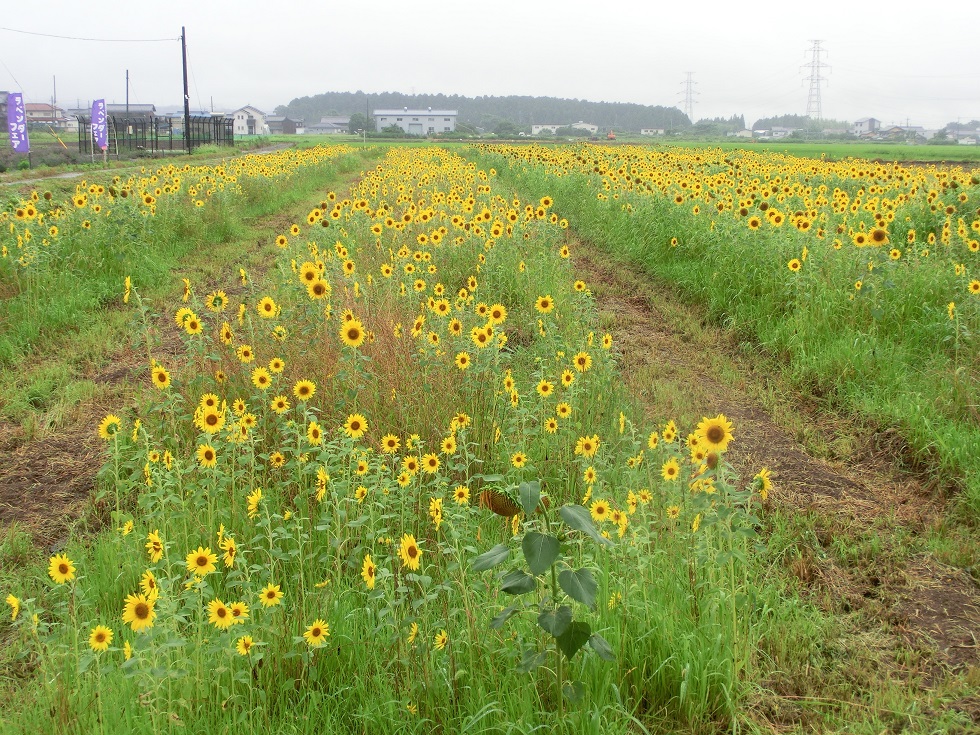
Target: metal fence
[[157, 134]]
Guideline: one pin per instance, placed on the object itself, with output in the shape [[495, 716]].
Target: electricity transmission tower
[[689, 95], [814, 109]]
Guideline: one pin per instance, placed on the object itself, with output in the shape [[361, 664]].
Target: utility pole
[[187, 96], [127, 93], [814, 109], [689, 95]]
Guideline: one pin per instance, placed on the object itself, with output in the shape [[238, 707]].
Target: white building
[[592, 129], [417, 122], [652, 131], [866, 125], [537, 129], [250, 121]]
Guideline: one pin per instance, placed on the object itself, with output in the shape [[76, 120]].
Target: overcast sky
[[893, 61]]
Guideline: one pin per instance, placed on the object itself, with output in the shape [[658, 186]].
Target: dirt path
[[925, 615]]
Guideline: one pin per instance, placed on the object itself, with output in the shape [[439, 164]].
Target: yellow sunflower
[[109, 426], [138, 612], [270, 596], [161, 378], [219, 615], [544, 304], [670, 470], [352, 333], [355, 426], [409, 552], [267, 308], [100, 638], [61, 569], [368, 572], [207, 456], [304, 390], [715, 434], [201, 562], [316, 635]]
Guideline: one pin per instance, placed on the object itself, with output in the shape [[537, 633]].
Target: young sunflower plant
[[549, 549]]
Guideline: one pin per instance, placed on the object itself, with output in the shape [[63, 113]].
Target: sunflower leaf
[[601, 646], [579, 518], [503, 616], [489, 559], [540, 550], [489, 478], [574, 691], [557, 621], [518, 583], [575, 636], [530, 496], [531, 660], [580, 585]]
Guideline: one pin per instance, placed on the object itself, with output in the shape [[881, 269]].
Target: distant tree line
[[799, 121], [718, 126], [488, 113], [972, 125]]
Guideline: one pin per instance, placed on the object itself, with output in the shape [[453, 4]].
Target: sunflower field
[[861, 279], [380, 472], [391, 484]]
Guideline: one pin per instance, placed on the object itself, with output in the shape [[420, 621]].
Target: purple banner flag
[[100, 131], [17, 123]]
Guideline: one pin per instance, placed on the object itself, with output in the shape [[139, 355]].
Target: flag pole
[[187, 96]]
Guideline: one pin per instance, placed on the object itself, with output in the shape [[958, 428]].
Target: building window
[[432, 130], [398, 119], [432, 119], [445, 119], [446, 129], [415, 119]]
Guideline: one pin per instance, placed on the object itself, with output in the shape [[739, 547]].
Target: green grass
[[840, 150]]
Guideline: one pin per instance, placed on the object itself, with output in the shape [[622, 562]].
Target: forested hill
[[488, 112]]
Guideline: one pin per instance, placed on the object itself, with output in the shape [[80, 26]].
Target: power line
[[19, 85], [79, 38], [190, 67]]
